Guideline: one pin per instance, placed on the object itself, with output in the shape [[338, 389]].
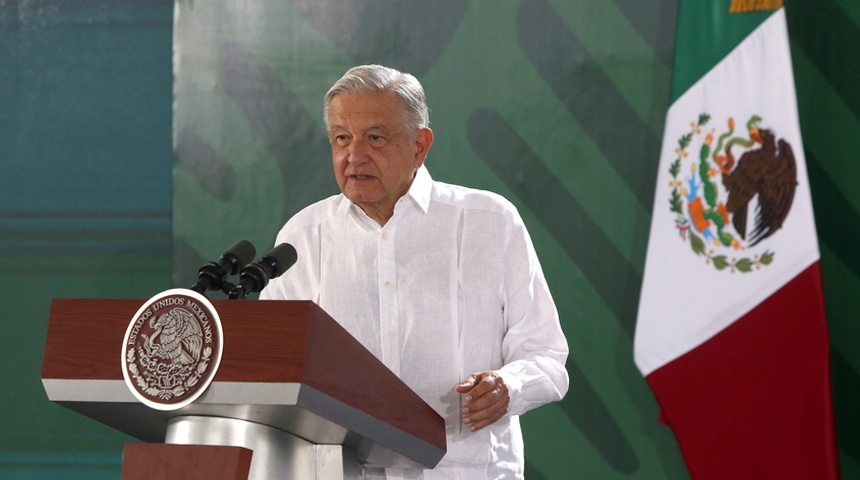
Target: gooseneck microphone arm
[[256, 276], [213, 275]]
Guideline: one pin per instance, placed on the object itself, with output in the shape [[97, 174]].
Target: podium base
[[276, 453], [156, 461]]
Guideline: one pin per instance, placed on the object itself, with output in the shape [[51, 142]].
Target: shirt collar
[[419, 192], [420, 189]]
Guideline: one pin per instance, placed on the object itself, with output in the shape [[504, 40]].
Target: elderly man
[[440, 282]]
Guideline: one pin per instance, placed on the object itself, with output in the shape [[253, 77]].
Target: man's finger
[[467, 384]]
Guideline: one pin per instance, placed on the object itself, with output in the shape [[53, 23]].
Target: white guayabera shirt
[[450, 286]]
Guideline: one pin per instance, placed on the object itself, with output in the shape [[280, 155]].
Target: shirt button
[[385, 235], [387, 284]]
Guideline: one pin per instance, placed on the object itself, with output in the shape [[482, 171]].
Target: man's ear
[[423, 142]]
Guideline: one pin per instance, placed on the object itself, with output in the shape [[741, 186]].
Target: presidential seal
[[172, 349], [735, 194]]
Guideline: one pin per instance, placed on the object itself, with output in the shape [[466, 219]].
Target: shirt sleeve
[[276, 288], [301, 281], [534, 347]]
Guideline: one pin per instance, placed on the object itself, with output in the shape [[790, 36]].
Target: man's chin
[[358, 197]]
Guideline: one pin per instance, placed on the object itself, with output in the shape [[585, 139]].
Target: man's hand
[[487, 399]]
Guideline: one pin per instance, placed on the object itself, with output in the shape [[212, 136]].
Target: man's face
[[374, 158]]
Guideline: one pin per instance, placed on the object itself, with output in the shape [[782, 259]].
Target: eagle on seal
[[769, 172], [181, 338]]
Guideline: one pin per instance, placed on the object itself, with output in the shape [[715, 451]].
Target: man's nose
[[358, 152]]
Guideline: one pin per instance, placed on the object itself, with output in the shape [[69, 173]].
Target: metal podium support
[[278, 455]]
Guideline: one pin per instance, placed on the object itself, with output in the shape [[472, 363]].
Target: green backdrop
[[558, 105]]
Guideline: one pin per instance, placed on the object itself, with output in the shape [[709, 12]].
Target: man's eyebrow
[[378, 127]]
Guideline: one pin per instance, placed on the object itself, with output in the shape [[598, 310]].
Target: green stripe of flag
[[706, 33]]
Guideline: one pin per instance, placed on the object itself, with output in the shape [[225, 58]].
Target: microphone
[[213, 275], [256, 276]]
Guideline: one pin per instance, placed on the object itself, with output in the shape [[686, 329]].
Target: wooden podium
[[293, 387]]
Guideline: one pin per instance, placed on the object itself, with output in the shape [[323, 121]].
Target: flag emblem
[[734, 194]]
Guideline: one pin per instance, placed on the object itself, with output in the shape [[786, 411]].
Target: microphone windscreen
[[282, 257], [243, 252]]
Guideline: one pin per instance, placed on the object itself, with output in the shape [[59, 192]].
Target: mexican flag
[[731, 332]]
